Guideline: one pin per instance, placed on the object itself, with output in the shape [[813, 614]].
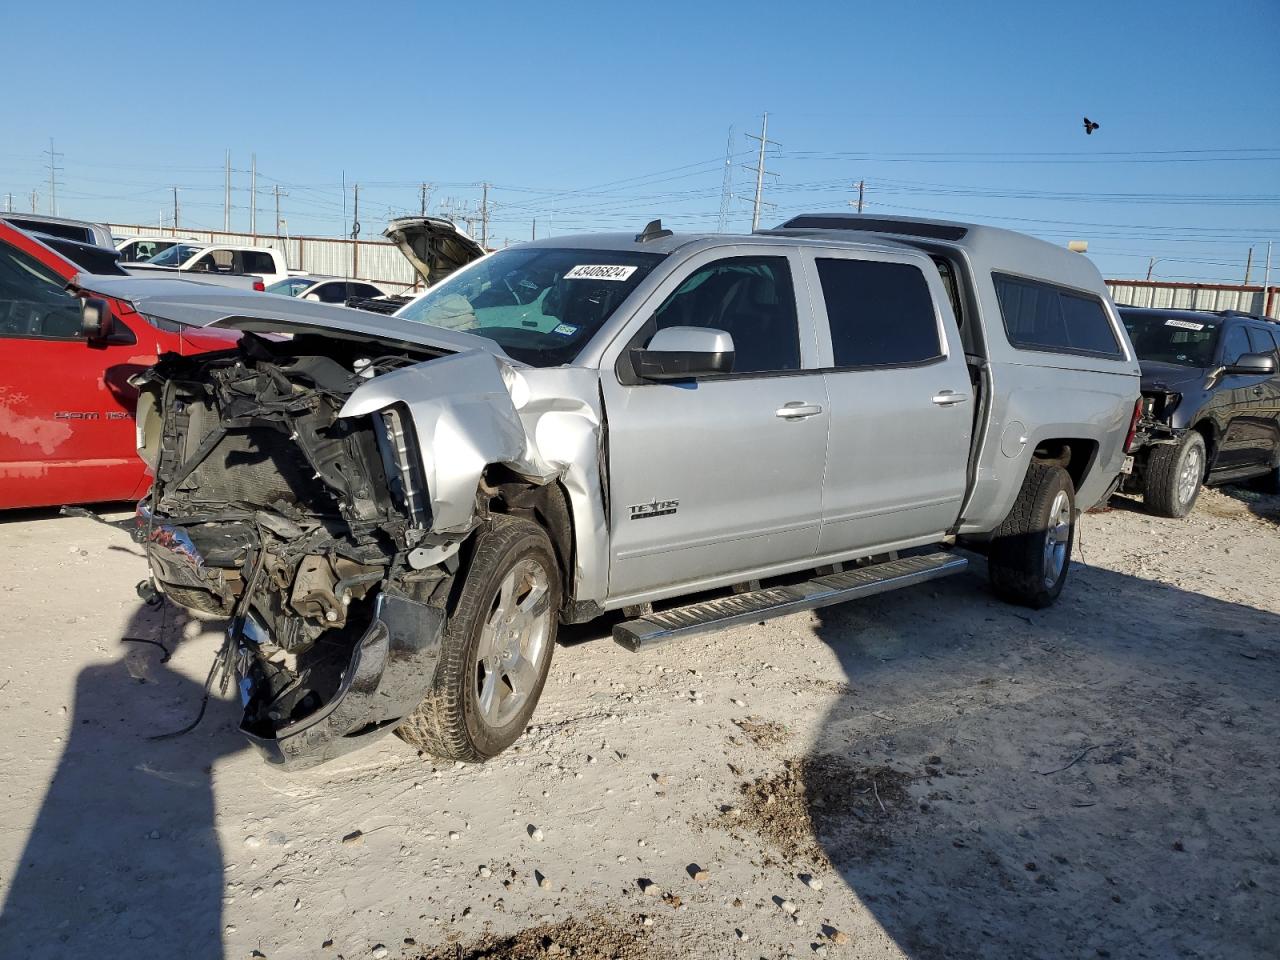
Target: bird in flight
[[1089, 126]]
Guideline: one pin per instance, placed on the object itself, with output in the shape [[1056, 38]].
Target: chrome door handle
[[798, 410], [946, 398]]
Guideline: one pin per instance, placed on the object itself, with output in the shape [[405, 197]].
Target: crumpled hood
[[435, 246], [1169, 376], [201, 305]]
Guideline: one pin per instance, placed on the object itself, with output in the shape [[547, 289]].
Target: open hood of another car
[[434, 245]]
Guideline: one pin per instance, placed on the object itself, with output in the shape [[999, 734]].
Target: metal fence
[[375, 260], [1196, 296]]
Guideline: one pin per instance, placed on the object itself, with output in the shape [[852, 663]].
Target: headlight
[[402, 462], [148, 424]]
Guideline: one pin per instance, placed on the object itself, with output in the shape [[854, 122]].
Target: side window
[[335, 292], [33, 302], [1040, 316], [219, 261], [752, 299], [1234, 344], [1260, 341], [363, 290], [881, 314], [255, 262]]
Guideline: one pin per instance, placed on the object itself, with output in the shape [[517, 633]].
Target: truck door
[[1248, 440], [66, 412], [719, 476], [901, 401]]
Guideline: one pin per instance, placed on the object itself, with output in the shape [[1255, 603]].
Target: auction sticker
[[599, 271], [565, 330], [1184, 324]]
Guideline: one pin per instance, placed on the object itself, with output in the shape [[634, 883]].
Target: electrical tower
[[279, 193], [726, 185], [54, 169]]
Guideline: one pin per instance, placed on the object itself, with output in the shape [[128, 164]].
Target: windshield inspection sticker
[[599, 271], [565, 330], [1184, 324]]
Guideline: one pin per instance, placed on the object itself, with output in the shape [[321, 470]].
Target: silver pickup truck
[[397, 513]]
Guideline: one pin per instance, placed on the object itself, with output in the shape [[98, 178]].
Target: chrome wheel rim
[[512, 642], [1057, 538], [1189, 476]]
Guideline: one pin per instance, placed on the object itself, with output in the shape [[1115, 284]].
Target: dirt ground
[[926, 774]]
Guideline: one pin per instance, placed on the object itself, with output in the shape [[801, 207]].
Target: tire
[[1175, 476], [496, 650], [1030, 554]]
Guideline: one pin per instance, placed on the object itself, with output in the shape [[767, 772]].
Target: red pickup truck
[[66, 407]]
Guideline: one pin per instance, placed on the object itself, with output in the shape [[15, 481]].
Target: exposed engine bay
[[299, 524]]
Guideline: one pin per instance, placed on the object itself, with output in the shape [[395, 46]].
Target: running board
[[758, 605]]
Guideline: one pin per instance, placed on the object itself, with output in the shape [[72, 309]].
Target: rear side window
[[1041, 316], [255, 262], [335, 292], [881, 314]]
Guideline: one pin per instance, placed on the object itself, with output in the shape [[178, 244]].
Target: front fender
[[464, 420]]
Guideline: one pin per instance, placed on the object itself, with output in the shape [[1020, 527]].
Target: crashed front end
[[309, 529]]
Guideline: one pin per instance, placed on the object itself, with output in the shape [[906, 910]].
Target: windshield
[[540, 304], [290, 286], [1184, 340], [175, 256]]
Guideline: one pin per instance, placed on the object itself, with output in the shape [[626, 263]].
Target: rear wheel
[[496, 649], [1031, 551], [1174, 476]]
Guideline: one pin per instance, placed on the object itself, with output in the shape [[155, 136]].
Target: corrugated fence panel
[[375, 260], [1194, 296]]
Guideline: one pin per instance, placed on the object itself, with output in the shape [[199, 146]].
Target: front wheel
[[1174, 476], [496, 650], [1030, 553]]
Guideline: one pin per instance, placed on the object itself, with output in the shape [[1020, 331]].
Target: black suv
[[1210, 403]]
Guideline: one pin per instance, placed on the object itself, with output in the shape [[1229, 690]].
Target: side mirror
[[1253, 364], [311, 296], [96, 320], [684, 353]]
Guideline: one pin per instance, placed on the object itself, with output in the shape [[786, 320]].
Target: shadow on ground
[[1093, 780], [123, 859]]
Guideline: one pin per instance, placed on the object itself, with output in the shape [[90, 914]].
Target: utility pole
[[760, 171], [726, 183], [1151, 263], [1248, 263], [1266, 284], [33, 201], [253, 194], [54, 170], [857, 204], [175, 210], [355, 234], [424, 192], [534, 235], [226, 197], [279, 193], [484, 217]]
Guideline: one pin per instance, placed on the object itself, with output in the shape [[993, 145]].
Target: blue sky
[[601, 116]]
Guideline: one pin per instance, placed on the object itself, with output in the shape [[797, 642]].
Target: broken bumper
[[391, 668]]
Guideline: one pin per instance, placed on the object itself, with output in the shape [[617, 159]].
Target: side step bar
[[768, 602]]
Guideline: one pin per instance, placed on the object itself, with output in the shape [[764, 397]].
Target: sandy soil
[[927, 774]]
